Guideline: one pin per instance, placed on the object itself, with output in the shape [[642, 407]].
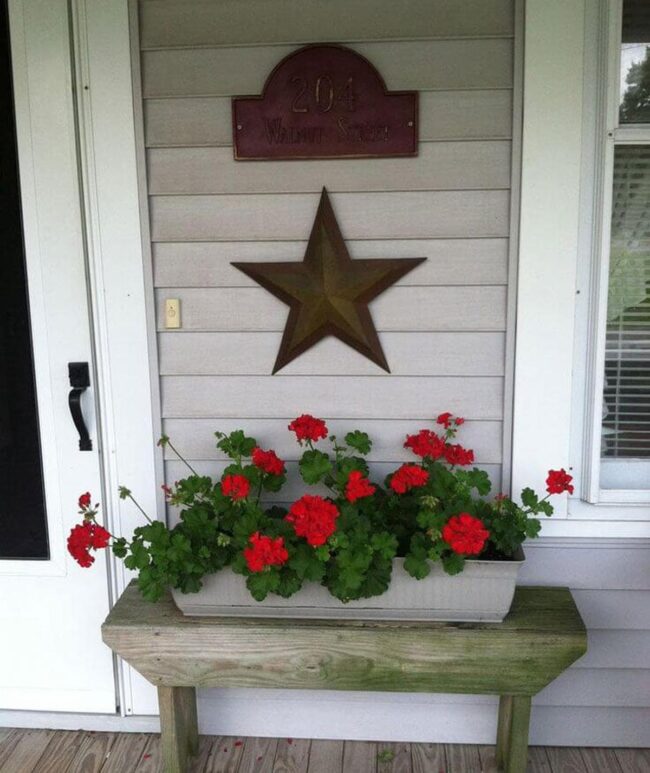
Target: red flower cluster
[[408, 476], [426, 443], [85, 536], [235, 486], [265, 551], [313, 518], [307, 427], [456, 454], [268, 461], [465, 534], [447, 420], [358, 487], [559, 481]]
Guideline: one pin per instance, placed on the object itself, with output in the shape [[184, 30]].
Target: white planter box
[[482, 592]]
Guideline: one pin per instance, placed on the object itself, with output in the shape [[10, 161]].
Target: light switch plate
[[172, 313]]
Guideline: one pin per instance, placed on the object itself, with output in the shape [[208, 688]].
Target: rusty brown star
[[327, 292]]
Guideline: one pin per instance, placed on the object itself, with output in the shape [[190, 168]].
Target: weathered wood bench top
[[540, 638]]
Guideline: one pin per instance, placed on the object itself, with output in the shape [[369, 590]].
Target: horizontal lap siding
[[421, 65], [409, 354], [427, 309], [443, 327], [169, 24], [449, 261], [458, 165], [349, 397], [287, 216], [196, 438], [444, 115]]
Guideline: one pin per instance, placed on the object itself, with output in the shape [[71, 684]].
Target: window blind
[[626, 397]]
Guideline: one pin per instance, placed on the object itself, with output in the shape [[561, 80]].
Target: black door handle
[[79, 376]]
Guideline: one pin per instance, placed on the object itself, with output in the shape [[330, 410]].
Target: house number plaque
[[325, 101]]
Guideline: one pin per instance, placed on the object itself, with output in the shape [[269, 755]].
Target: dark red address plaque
[[325, 101]]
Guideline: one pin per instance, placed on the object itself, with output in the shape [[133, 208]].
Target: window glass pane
[[626, 399], [635, 62], [23, 532]]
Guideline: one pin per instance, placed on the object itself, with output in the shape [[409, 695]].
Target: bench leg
[[512, 733], [179, 732]]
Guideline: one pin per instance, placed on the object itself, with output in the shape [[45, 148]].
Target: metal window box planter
[[482, 592]]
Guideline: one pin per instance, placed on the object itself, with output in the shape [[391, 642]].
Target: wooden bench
[[540, 638]]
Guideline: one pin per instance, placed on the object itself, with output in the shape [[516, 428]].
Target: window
[[618, 465]]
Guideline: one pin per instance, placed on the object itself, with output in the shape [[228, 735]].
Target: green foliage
[[214, 530], [359, 441], [235, 445], [314, 466]]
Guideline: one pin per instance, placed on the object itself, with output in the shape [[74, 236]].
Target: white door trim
[[120, 289]]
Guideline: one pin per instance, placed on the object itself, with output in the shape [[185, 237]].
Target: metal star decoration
[[327, 292]]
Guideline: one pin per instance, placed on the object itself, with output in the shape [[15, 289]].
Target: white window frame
[[604, 24]]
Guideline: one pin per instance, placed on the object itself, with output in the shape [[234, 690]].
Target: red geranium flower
[[265, 551], [268, 461], [313, 518], [426, 443], [85, 536], [307, 427], [559, 481], [465, 534], [358, 487], [235, 486], [444, 419], [84, 501], [408, 476], [456, 454]]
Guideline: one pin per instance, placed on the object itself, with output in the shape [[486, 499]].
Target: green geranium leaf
[[273, 482], [236, 444], [119, 547], [289, 584], [314, 466], [385, 544], [529, 498], [306, 563], [453, 563], [359, 441], [533, 528], [261, 584], [416, 566]]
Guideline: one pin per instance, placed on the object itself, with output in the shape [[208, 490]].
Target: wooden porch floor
[[46, 751]]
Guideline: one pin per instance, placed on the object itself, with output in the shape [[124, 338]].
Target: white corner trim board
[[550, 199]]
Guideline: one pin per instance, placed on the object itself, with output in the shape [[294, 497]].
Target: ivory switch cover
[[172, 313]]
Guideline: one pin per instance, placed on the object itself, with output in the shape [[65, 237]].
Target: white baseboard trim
[[61, 720], [473, 723]]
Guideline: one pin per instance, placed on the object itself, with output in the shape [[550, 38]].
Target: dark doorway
[[23, 526]]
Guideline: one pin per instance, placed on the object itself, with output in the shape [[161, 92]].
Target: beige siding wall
[[443, 327]]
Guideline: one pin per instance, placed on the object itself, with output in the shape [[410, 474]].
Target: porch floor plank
[[634, 760], [394, 758], [291, 756], [326, 757], [224, 755], [65, 751], [359, 757], [428, 757], [62, 749], [126, 753], [565, 760], [258, 756], [601, 759], [462, 758], [27, 751], [92, 753]]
